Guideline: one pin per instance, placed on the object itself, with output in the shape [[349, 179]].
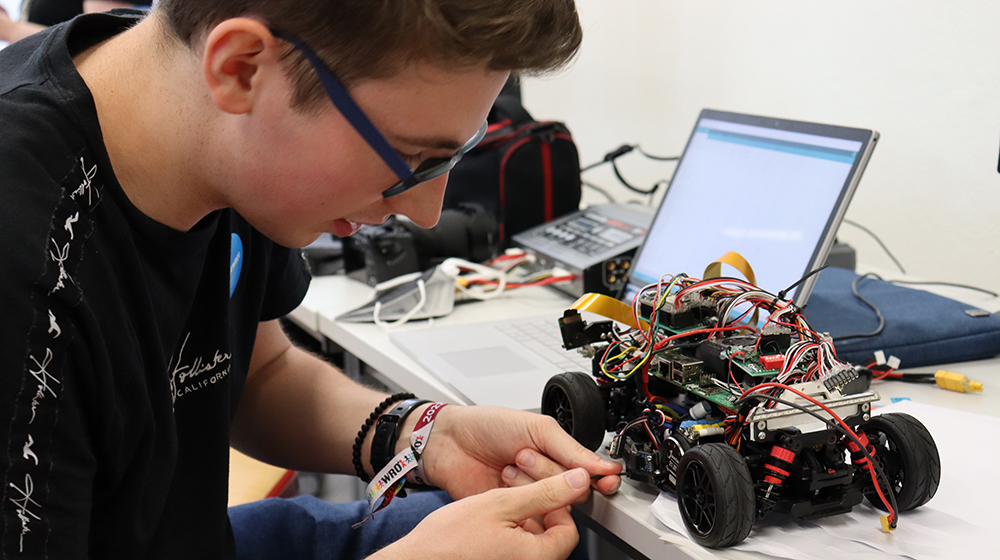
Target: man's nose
[[422, 203]]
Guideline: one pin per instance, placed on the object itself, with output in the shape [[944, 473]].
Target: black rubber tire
[[574, 400], [715, 495], [907, 453]]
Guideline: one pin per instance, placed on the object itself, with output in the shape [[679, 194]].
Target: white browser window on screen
[[765, 193]]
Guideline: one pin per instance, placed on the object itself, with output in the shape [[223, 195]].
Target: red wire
[[731, 376], [645, 386], [635, 314], [662, 343], [892, 514], [888, 373], [719, 282], [504, 257], [645, 424], [604, 358]]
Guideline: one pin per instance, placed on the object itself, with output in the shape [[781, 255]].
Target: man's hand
[[479, 448], [524, 523]]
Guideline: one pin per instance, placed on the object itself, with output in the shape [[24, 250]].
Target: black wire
[[657, 158], [903, 270], [611, 156], [836, 425], [878, 313], [781, 294], [914, 378], [633, 188], [879, 241], [598, 189], [967, 287]]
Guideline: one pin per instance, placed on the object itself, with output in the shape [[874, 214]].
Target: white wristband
[[418, 440], [389, 481]]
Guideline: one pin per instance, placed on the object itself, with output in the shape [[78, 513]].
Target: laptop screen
[[772, 190]]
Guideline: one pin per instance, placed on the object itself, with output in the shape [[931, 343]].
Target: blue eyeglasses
[[408, 178]]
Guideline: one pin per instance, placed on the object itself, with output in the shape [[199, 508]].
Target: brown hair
[[372, 38]]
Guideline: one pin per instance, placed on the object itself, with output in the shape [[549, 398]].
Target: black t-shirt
[[51, 12], [124, 344]]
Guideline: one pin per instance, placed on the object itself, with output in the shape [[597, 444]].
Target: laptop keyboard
[[541, 335]]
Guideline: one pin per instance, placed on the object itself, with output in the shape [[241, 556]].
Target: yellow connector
[[886, 527], [957, 382]]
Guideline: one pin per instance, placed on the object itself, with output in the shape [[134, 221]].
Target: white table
[[627, 514]]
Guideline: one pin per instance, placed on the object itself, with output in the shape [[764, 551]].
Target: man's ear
[[236, 53]]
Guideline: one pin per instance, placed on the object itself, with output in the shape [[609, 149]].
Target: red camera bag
[[525, 172]]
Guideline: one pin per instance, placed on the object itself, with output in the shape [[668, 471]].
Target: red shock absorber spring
[[777, 468], [857, 456]]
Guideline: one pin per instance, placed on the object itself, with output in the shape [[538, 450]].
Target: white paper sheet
[[956, 523]]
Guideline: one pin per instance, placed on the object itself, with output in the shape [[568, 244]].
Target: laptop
[[773, 190]]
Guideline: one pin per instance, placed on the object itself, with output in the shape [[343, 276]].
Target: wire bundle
[[736, 305], [489, 280]]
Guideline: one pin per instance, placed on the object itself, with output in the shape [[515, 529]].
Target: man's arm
[[298, 411], [11, 30]]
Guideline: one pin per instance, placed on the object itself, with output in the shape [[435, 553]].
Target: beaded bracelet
[[356, 452]]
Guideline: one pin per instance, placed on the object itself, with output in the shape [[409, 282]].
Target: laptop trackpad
[[483, 362]]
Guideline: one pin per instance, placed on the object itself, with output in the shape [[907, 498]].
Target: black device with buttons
[[387, 432], [595, 245]]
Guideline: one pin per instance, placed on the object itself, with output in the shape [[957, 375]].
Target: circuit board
[[750, 364], [713, 393]]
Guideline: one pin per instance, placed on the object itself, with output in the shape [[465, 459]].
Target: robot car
[[722, 393]]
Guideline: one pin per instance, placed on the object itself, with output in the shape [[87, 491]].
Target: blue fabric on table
[[921, 328]]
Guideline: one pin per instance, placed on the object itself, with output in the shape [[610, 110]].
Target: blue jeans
[[307, 527]]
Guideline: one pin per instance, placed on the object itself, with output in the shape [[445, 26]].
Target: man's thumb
[[548, 494]]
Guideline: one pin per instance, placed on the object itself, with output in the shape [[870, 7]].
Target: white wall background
[[924, 73]]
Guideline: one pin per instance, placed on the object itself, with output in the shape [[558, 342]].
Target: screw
[[761, 425], [866, 417], [865, 407]]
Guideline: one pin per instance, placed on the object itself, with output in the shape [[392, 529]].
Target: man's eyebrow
[[431, 142]]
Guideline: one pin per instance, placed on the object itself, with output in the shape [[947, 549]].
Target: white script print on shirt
[[37, 403], [188, 375]]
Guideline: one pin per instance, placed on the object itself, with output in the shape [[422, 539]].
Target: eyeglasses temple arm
[[350, 110]]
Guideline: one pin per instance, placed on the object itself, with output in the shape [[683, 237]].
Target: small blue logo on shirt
[[235, 262]]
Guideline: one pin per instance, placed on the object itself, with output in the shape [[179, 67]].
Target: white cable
[[393, 282], [453, 267], [409, 314]]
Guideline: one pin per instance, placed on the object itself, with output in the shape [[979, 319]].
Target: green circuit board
[[711, 393], [750, 365]]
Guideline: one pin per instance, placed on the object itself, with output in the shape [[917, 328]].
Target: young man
[[152, 172]]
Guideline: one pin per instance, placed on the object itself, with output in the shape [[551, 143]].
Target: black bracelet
[[387, 432], [356, 452]]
